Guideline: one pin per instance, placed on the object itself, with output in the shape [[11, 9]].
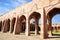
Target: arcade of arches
[[20, 20], [23, 24]]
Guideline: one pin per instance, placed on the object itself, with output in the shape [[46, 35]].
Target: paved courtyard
[[9, 36]]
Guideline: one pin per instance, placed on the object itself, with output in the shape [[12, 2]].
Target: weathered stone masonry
[[37, 9]]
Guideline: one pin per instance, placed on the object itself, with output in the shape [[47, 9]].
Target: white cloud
[[6, 6]]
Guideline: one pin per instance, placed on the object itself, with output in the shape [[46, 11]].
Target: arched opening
[[51, 14], [12, 24], [34, 23], [56, 23], [22, 24], [0, 25], [8, 25], [5, 26]]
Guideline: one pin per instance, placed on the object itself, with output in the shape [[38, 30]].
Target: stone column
[[17, 26], [44, 31], [50, 27], [27, 27], [11, 26], [57, 28], [36, 27], [4, 26], [54, 28]]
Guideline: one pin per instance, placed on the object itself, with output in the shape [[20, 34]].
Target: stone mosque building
[[16, 20]]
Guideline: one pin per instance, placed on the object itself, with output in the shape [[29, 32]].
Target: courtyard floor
[[10, 36]]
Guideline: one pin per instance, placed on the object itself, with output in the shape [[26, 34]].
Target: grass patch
[[56, 32], [33, 32]]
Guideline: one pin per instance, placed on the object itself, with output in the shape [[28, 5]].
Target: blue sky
[[56, 19], [7, 5]]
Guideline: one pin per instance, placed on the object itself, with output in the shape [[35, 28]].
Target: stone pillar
[[50, 27], [44, 31], [17, 26], [36, 27], [11, 26], [54, 28], [27, 27], [4, 26], [57, 28]]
